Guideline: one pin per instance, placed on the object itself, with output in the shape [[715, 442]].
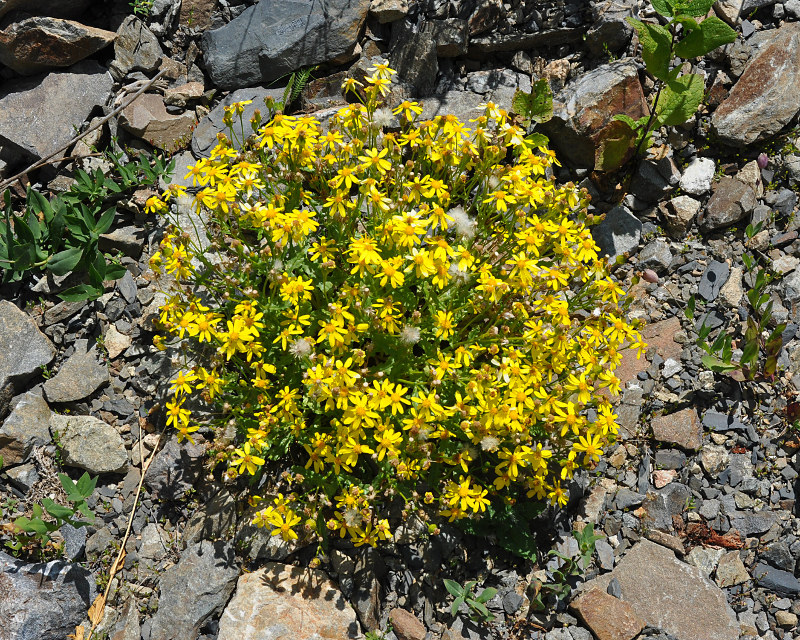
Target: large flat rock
[[39, 114], [670, 594], [765, 98], [276, 37]]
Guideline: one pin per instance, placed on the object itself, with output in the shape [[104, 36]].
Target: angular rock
[[72, 94], [752, 524], [147, 118], [179, 96], [42, 601], [115, 342], [764, 99], [654, 179], [609, 30], [618, 233], [582, 111], [385, 11], [26, 427], [656, 255], [773, 579], [136, 48], [212, 520], [38, 43], [671, 594], [276, 37], [666, 540], [23, 349], [462, 104], [705, 558], [608, 617], [197, 13], [406, 626], [731, 570], [714, 458], [498, 42], [659, 336], [728, 10], [282, 602], [175, 469], [413, 56], [731, 201], [79, 377], [779, 556], [130, 240], [679, 213], [697, 177], [661, 505], [450, 36], [713, 279], [91, 444], [627, 499], [194, 590]]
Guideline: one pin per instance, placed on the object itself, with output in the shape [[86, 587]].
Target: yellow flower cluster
[[400, 312]]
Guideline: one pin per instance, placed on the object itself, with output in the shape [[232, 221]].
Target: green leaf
[[715, 364], [689, 24], [86, 485], [65, 261], [615, 147], [114, 271], [536, 105], [656, 45], [80, 292], [479, 606], [537, 139], [750, 353], [663, 7], [710, 34], [696, 8], [453, 587], [487, 594], [56, 510], [456, 604], [690, 307], [105, 221], [679, 99]]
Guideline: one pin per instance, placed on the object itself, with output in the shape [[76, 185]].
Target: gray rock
[[55, 8], [778, 555], [127, 287], [79, 377], [731, 201], [385, 11], [679, 213], [43, 601], [654, 179], [367, 592], [175, 468], [720, 422], [605, 554], [671, 595], [662, 504], [450, 37], [462, 104], [275, 37], [773, 579], [91, 444], [74, 541], [130, 240], [731, 570], [618, 233], [697, 177], [25, 428], [752, 524], [413, 56], [194, 590], [705, 558], [609, 30], [136, 48], [23, 476], [204, 138], [23, 348], [728, 10], [713, 279], [656, 255], [764, 99], [72, 94], [627, 499], [212, 520]]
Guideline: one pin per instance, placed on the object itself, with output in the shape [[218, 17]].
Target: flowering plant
[[412, 316]]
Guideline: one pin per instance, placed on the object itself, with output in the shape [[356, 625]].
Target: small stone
[[731, 570], [609, 618], [181, 95], [732, 291], [705, 558], [697, 177], [679, 214], [712, 280], [666, 540], [627, 499], [147, 118], [619, 232], [115, 342], [656, 255], [25, 428], [682, 428], [714, 458], [662, 477], [731, 201], [406, 626], [386, 11], [786, 619], [781, 582]]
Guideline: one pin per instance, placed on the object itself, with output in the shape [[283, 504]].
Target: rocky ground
[[697, 501]]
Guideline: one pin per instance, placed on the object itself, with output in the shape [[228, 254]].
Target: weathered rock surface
[[679, 213], [619, 232], [731, 201], [175, 469], [26, 427], [79, 377], [275, 37], [136, 48], [37, 44], [147, 118], [765, 98], [26, 106], [697, 176], [671, 594], [42, 601], [582, 111], [682, 428], [413, 56], [282, 602], [608, 617], [91, 444], [194, 590]]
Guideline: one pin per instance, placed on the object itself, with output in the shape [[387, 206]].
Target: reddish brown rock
[[606, 616], [659, 336], [765, 98], [37, 44], [147, 118], [682, 428], [197, 13], [406, 626]]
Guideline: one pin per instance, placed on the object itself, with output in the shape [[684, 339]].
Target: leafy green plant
[[50, 516], [534, 108], [571, 566], [141, 7], [678, 95], [476, 603]]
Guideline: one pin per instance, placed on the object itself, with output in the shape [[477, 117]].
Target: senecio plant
[[407, 319]]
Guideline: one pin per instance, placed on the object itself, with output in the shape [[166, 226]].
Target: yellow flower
[[444, 324], [245, 460]]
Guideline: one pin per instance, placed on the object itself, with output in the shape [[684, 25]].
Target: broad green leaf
[[537, 139], [536, 105], [663, 7], [656, 44], [715, 364], [696, 8], [487, 594], [56, 510], [114, 271], [679, 99], [750, 353], [80, 292], [86, 485], [65, 261], [689, 24], [456, 604], [23, 256], [34, 525], [480, 607], [710, 34], [615, 147], [622, 117], [453, 587], [105, 221]]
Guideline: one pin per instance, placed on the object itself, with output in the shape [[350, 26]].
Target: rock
[[731, 570], [732, 290], [79, 377], [24, 349], [25, 428], [779, 556], [72, 94], [37, 44], [666, 540], [610, 31], [54, 8], [671, 595], [662, 477], [786, 619], [212, 520], [750, 174], [714, 458], [608, 617], [656, 255], [731, 201], [450, 36], [385, 11], [462, 104], [413, 55], [712, 280], [181, 95], [659, 336], [605, 554], [148, 119], [175, 468], [23, 476], [197, 13], [618, 233], [654, 179], [679, 213], [91, 444], [582, 111], [497, 42], [697, 177], [136, 48], [772, 579], [627, 499], [115, 342], [406, 626], [752, 524], [282, 602], [127, 627], [594, 502], [366, 597], [42, 601], [194, 590], [204, 138], [661, 505], [728, 10], [272, 39], [764, 98], [705, 558], [129, 240]]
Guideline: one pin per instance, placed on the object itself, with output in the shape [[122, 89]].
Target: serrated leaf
[[710, 34], [615, 147], [695, 8], [663, 7], [679, 99], [656, 45], [536, 106]]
